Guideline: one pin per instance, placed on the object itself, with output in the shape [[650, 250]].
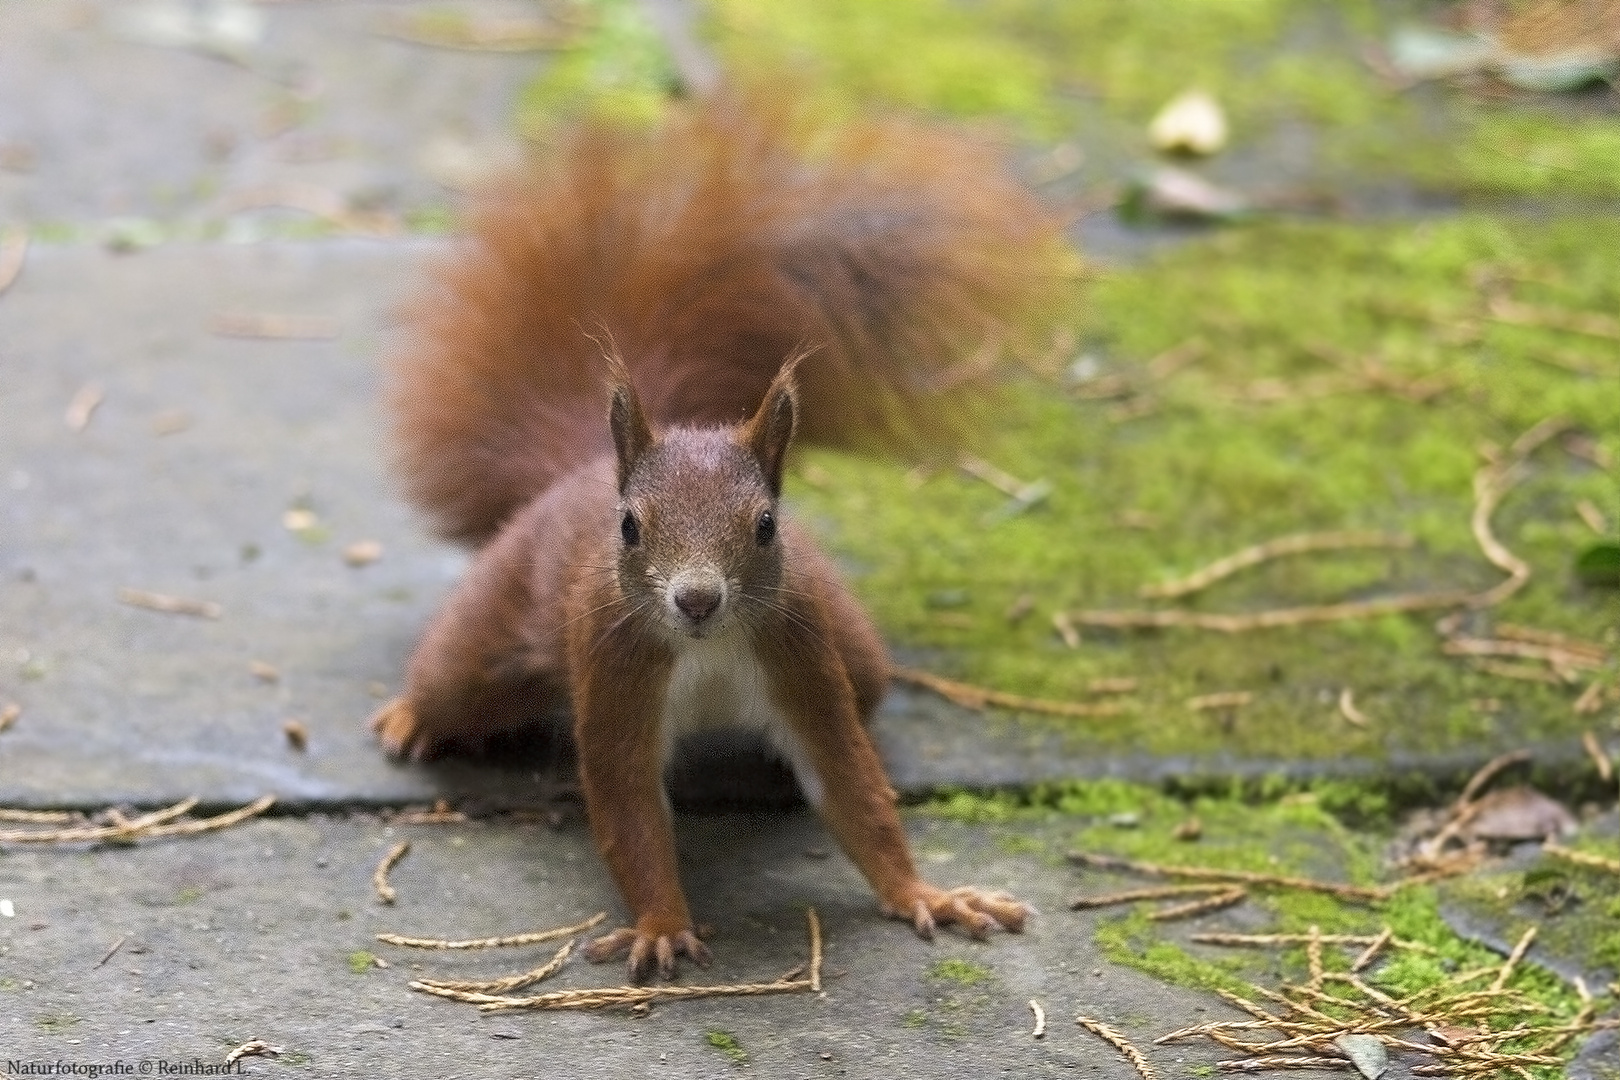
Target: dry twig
[[978, 697], [1524, 650], [1374, 947], [108, 955], [1275, 618], [513, 940], [149, 826], [255, 1047], [13, 252], [172, 605], [1581, 858], [1226, 898], [504, 985], [379, 876], [1040, 1019], [1131, 896], [1120, 1043], [1594, 750], [1227, 699], [83, 406], [1297, 544], [1344, 892], [1348, 710], [815, 948], [245, 324]]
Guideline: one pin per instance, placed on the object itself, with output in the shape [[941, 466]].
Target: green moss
[[617, 70], [1294, 834], [188, 895], [727, 1044], [1277, 66], [360, 961], [56, 1023], [1212, 472], [959, 971], [1134, 941], [915, 1018]]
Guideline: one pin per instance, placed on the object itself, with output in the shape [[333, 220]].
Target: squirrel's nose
[[697, 602]]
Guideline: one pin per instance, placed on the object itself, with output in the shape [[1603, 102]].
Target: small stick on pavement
[[119, 944], [379, 876], [257, 1047], [83, 406], [534, 938], [1120, 1043], [13, 250], [510, 982], [815, 948], [1040, 1019], [171, 605]]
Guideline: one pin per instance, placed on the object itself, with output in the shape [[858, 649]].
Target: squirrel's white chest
[[719, 682]]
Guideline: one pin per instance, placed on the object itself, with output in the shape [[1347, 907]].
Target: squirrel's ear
[[769, 431], [631, 435]]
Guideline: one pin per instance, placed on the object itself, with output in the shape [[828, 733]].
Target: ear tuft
[[631, 435], [769, 431]]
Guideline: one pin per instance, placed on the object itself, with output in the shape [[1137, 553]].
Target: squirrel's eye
[[630, 530], [765, 531]]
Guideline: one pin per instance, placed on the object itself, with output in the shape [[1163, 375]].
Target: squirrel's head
[[698, 537]]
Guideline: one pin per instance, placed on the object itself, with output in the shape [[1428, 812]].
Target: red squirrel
[[633, 558]]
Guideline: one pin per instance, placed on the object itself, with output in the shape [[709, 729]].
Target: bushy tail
[[708, 251]]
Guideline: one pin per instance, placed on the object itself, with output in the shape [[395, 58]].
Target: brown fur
[[708, 251], [634, 567]]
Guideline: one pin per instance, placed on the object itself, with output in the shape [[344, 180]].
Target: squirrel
[[599, 395]]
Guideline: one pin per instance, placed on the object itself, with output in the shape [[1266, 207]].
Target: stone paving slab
[[124, 704], [249, 934], [106, 111]]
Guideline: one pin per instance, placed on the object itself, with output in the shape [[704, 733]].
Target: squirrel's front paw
[[646, 946], [977, 911], [399, 730]]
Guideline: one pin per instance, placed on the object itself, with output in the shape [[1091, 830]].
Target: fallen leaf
[[1191, 123]]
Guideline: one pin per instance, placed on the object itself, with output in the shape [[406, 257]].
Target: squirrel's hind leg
[[483, 666]]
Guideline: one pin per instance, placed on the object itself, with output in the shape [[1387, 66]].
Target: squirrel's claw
[[647, 949], [396, 728], [976, 911]]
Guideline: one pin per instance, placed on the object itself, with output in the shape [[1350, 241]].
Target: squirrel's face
[[698, 537]]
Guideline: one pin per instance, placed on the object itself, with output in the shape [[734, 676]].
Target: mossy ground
[[1252, 441], [1289, 73], [1299, 833], [1210, 470]]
